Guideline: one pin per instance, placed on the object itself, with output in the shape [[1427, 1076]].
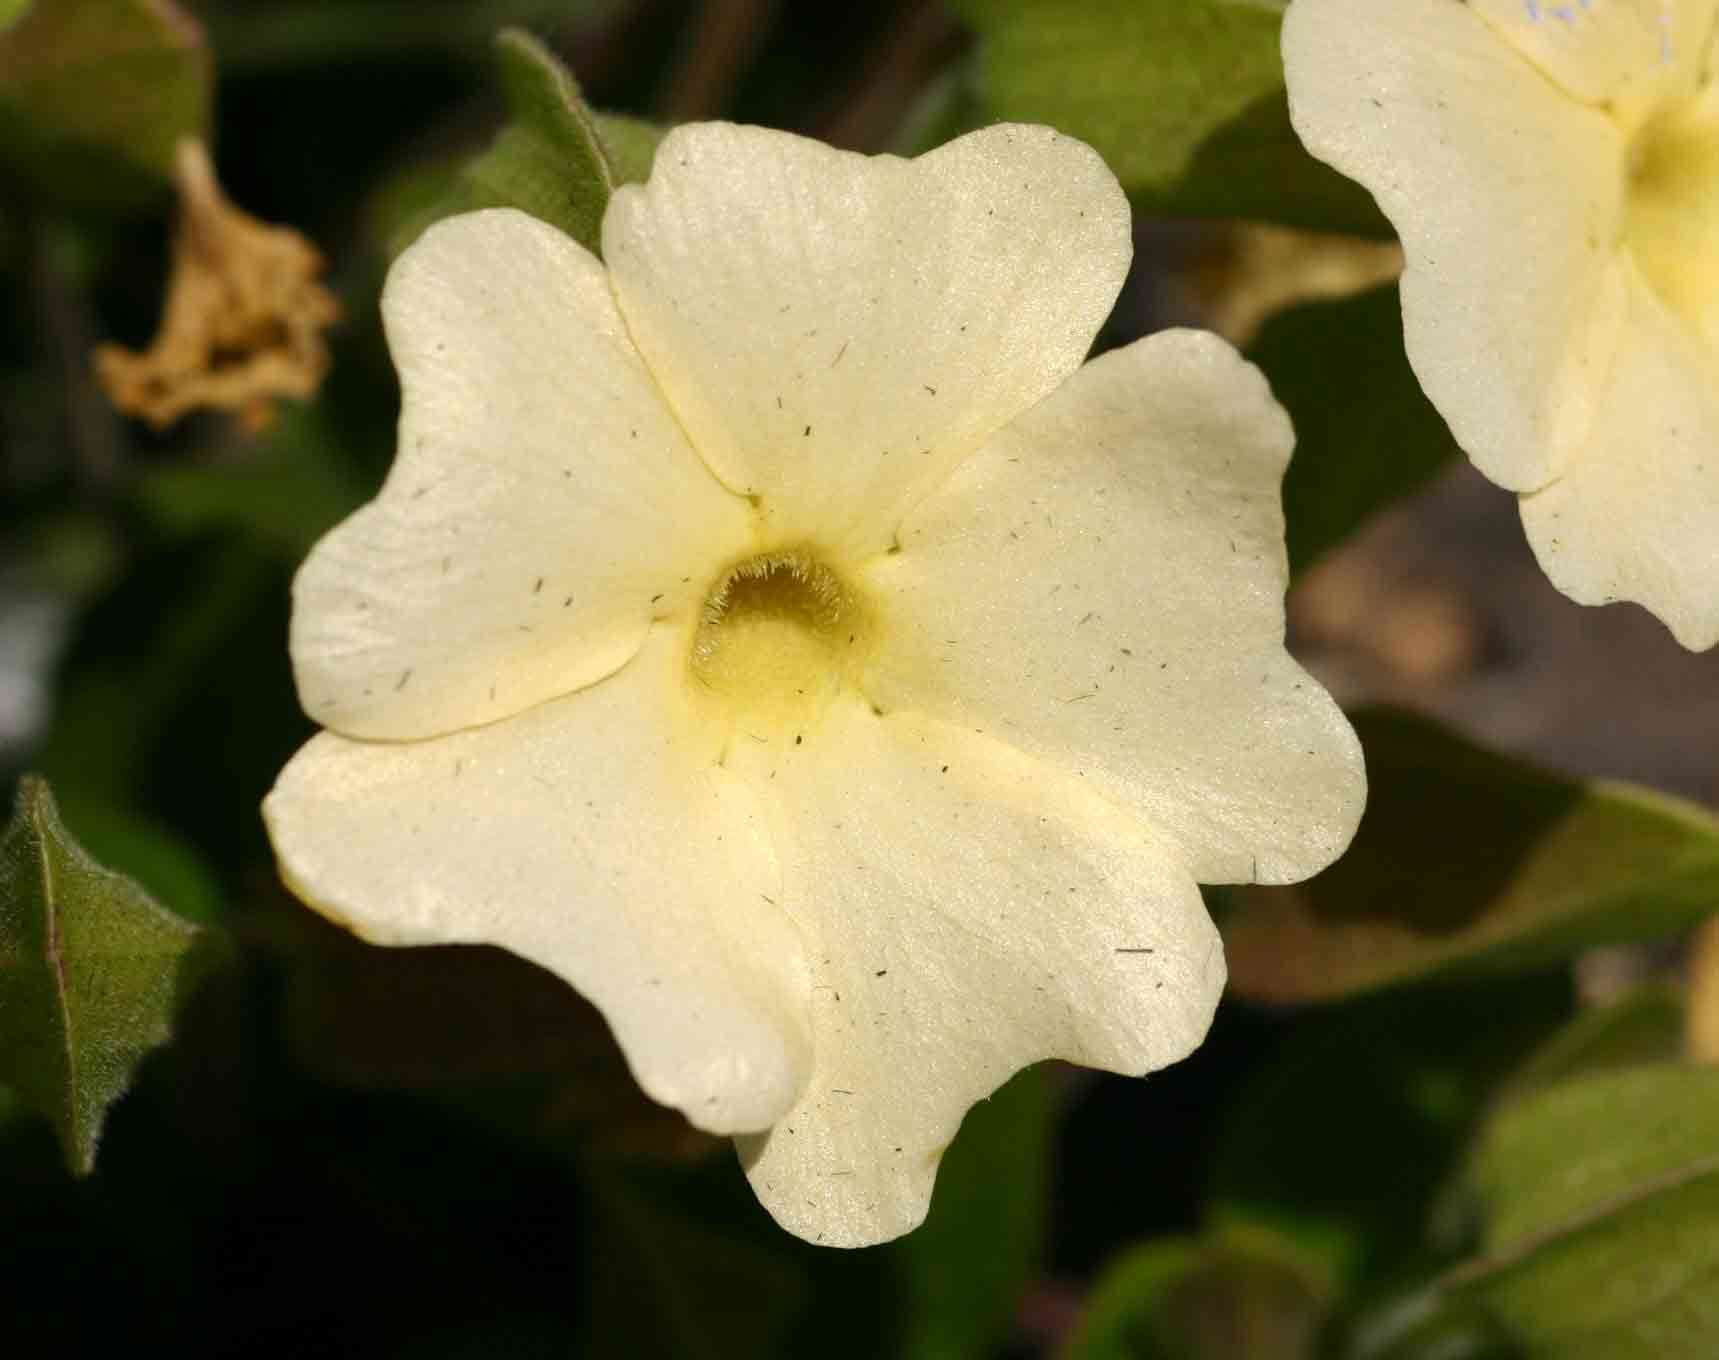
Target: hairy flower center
[[779, 636], [1671, 222]]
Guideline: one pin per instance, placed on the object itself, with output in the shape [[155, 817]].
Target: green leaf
[[1181, 1299], [1183, 98], [666, 1285], [285, 494], [1469, 860], [140, 848], [966, 1267], [1425, 1323], [555, 158], [11, 11], [95, 95], [1361, 442], [1587, 1146], [631, 145], [138, 656], [1646, 1026], [288, 36], [1345, 1141], [1604, 1224], [90, 972]]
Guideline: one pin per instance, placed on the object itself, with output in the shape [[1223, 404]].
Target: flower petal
[[596, 836], [1507, 195], [837, 331], [542, 506], [1636, 514], [1102, 587], [970, 913], [1617, 52]]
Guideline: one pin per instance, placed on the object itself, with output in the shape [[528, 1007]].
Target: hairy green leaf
[[1362, 441], [554, 159], [1467, 859], [136, 845], [90, 972], [1185, 100], [95, 95]]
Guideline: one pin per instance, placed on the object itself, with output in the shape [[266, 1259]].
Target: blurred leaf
[[1468, 859], [142, 651], [1184, 99], [968, 1264], [1180, 1299], [481, 1030], [285, 493], [1364, 438], [1424, 1323], [11, 11], [1586, 1147], [284, 34], [90, 971], [96, 94], [667, 1287], [555, 158], [631, 144], [1646, 1026], [1604, 1226], [1346, 1138]]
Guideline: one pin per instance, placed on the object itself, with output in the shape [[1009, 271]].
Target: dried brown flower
[[244, 318]]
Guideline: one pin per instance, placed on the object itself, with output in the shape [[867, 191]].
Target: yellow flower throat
[[779, 636], [1671, 220]]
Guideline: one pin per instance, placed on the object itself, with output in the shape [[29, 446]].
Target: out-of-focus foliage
[[1185, 1299], [1344, 1140], [95, 95], [1644, 1026], [1583, 1209], [91, 970], [291, 487], [1599, 1194], [1467, 859], [1592, 1145], [1365, 434], [555, 159], [1183, 98], [967, 1266]]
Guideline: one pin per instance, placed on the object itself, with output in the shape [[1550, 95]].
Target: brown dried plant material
[[1252, 271], [244, 318], [1702, 1015]]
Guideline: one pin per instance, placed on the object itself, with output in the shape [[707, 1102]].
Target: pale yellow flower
[[774, 634], [1553, 169]]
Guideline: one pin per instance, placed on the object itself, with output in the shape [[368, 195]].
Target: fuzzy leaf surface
[[91, 969]]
